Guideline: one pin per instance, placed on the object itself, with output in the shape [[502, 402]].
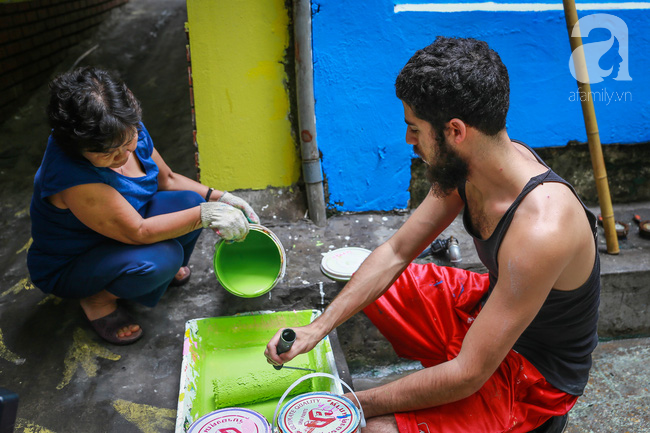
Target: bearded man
[[509, 350]]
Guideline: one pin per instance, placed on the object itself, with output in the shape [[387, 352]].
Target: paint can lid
[[320, 412], [340, 264], [232, 419]]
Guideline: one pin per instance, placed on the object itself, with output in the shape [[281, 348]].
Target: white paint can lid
[[232, 419], [340, 264]]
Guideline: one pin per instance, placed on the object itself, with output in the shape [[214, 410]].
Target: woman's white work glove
[[229, 222], [240, 204]]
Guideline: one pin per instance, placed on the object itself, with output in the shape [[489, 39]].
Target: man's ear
[[456, 131]]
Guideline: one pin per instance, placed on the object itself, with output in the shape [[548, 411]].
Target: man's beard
[[448, 171]]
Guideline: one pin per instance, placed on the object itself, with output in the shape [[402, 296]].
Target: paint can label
[[231, 420], [319, 412]]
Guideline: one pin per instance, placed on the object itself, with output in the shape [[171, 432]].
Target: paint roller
[[253, 381]]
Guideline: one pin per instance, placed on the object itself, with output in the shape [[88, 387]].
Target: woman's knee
[[156, 262], [189, 199], [166, 256], [164, 202]]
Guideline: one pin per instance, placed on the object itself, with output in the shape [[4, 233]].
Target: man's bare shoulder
[[551, 225], [552, 206]]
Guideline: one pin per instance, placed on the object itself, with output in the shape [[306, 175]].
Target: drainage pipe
[[311, 167], [591, 125]]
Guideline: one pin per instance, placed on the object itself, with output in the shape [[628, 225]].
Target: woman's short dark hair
[[456, 78], [89, 110]]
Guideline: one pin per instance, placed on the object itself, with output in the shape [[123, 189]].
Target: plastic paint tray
[[226, 349]]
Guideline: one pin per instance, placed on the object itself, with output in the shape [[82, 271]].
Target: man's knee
[[381, 424]]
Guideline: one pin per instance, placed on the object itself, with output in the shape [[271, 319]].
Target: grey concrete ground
[[69, 380]]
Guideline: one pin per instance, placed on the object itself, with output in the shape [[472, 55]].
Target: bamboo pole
[[311, 166], [591, 125]]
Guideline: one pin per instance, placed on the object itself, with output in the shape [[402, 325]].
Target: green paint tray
[[224, 365]]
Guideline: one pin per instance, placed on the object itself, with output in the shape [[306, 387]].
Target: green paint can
[[252, 267]]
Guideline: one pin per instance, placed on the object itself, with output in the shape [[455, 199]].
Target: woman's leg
[[137, 272], [101, 305], [115, 270], [164, 202]]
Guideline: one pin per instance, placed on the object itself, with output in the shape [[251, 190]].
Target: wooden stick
[[591, 125]]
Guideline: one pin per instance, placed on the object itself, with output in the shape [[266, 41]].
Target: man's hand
[[229, 223], [306, 340], [240, 204]]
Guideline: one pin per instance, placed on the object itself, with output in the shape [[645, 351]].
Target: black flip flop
[[182, 281], [107, 327]]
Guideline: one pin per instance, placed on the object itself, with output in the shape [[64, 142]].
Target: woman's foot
[[182, 276], [110, 321]]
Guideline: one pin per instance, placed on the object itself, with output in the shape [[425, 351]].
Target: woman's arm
[[104, 210], [170, 181]]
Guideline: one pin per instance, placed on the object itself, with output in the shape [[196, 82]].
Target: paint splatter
[[7, 354], [84, 353], [149, 419], [26, 246], [322, 293], [21, 285], [22, 212], [30, 427], [49, 298]]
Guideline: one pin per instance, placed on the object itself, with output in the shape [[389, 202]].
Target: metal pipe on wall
[[591, 125], [311, 166]]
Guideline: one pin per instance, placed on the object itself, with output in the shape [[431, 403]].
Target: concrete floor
[[69, 380]]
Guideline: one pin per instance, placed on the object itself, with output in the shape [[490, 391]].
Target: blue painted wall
[[360, 47]]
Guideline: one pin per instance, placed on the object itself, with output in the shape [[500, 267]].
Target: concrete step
[[616, 400]]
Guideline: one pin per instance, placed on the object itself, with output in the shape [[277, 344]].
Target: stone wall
[[628, 172], [34, 38]]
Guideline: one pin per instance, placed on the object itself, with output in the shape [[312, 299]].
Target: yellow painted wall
[[241, 104]]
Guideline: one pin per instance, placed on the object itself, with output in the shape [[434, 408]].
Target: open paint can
[[318, 412], [231, 420], [252, 267]]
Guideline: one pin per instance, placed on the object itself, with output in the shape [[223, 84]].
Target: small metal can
[[319, 412], [231, 420]]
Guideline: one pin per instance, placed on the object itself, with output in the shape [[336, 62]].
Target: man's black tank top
[[560, 339]]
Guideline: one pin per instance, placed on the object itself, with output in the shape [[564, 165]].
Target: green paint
[[249, 268], [232, 370], [251, 379]]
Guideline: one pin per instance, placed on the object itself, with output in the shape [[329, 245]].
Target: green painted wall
[[241, 103]]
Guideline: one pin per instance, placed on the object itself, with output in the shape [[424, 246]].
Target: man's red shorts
[[425, 315]]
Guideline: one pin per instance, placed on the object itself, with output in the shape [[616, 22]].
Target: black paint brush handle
[[287, 338]]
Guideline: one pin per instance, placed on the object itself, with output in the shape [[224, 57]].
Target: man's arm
[[530, 262], [376, 274]]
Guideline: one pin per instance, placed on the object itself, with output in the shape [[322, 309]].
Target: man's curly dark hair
[[456, 78], [90, 110]]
